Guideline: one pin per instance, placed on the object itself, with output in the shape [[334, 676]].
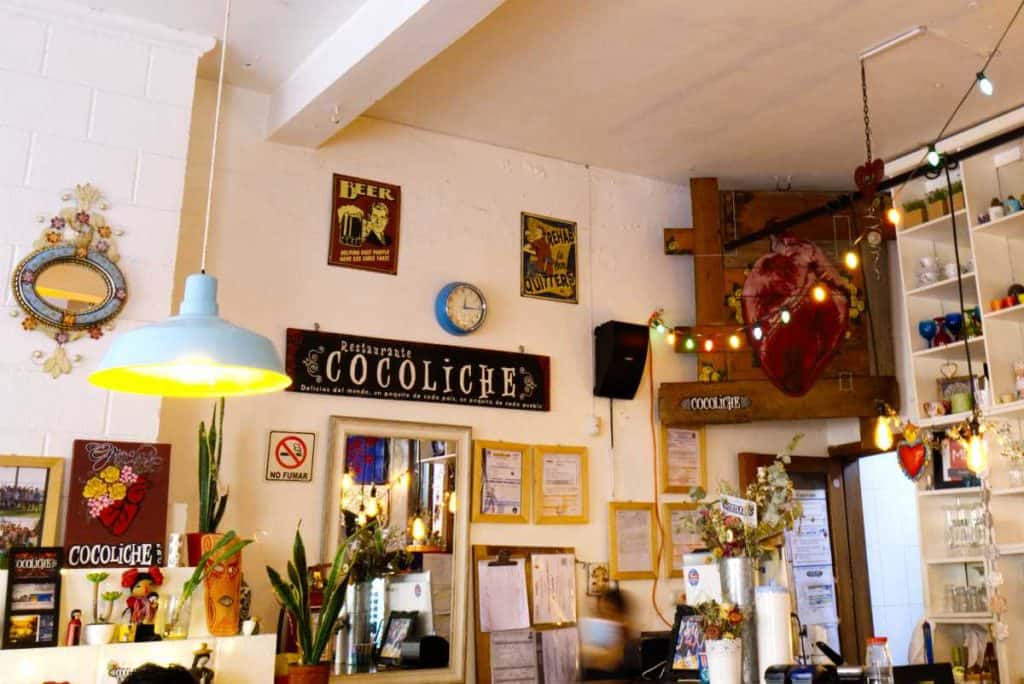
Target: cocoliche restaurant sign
[[372, 368]]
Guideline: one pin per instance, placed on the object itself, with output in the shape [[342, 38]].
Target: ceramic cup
[[996, 213], [927, 277], [928, 263], [961, 402], [1009, 300], [935, 408], [949, 270], [995, 304]]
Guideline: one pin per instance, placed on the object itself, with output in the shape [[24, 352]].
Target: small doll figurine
[[74, 633], [143, 602], [200, 669]]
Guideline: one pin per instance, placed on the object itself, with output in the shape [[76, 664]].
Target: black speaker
[[620, 352]]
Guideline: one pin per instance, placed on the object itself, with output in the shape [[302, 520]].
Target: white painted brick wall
[[88, 99]]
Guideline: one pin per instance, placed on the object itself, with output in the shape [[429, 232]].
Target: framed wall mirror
[[413, 479]]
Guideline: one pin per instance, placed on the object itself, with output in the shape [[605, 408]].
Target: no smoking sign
[[290, 456]]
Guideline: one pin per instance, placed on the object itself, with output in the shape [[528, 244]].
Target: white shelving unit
[[996, 249]]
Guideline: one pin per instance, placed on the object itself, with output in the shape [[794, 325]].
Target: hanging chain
[[867, 113]]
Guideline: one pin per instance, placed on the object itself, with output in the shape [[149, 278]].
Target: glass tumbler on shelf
[[978, 530], [1016, 474], [948, 601], [961, 600], [979, 600], [950, 532], [179, 615]]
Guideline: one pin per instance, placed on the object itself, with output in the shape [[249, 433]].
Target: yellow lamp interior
[[190, 378]]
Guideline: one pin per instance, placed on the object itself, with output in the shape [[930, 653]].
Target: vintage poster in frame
[[679, 539], [365, 224], [561, 492], [30, 489], [32, 605], [684, 463], [548, 254], [501, 482], [634, 540], [117, 504]]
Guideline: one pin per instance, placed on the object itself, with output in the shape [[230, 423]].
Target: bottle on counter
[[878, 662], [990, 665], [959, 667]]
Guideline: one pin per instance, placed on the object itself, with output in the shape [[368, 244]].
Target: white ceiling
[[746, 90], [268, 38]]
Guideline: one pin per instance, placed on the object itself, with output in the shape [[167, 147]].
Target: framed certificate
[[501, 482], [634, 542], [684, 462], [678, 539], [560, 494]]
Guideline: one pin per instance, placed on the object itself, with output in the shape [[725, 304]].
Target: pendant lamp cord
[[960, 294], [216, 131]]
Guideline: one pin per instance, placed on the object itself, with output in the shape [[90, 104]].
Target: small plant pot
[[915, 217], [938, 208], [98, 633], [725, 659], [958, 201], [309, 674]]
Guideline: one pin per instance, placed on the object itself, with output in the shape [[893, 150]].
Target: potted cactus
[[938, 203], [914, 213], [212, 497], [101, 629]]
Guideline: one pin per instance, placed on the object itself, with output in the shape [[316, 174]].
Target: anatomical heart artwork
[[117, 506]]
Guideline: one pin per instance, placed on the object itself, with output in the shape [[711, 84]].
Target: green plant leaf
[[218, 512], [204, 480]]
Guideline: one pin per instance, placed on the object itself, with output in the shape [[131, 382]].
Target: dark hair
[[154, 674], [615, 600]]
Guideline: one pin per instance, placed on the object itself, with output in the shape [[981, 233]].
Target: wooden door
[[846, 523]]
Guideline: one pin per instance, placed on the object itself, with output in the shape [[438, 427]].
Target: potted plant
[[938, 203], [957, 199], [101, 629], [294, 596], [723, 625], [212, 499], [914, 213], [179, 606]]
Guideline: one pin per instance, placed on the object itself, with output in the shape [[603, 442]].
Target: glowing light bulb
[[734, 341], [709, 345], [405, 480], [785, 316], [977, 454], [819, 293], [883, 434], [347, 482], [671, 339], [360, 519], [372, 509], [419, 529], [851, 260], [893, 216], [660, 327], [452, 507], [689, 344], [933, 157], [757, 331], [985, 85]]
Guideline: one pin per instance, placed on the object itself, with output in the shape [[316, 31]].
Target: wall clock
[[460, 308]]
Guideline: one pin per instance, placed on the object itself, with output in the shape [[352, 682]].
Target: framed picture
[[501, 482], [684, 461], [365, 221], [396, 631], [950, 464], [958, 384], [633, 540], [548, 252], [32, 604], [561, 490], [678, 539], [687, 641], [30, 489]]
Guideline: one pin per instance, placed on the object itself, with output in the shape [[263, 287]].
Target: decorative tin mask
[[223, 590]]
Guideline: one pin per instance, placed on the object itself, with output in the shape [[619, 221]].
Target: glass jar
[[1016, 474], [179, 615]]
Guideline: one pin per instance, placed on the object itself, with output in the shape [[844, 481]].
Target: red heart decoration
[[794, 355], [912, 458], [867, 177], [118, 516]]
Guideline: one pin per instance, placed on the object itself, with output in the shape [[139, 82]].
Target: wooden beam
[[744, 401], [679, 241], [708, 262]]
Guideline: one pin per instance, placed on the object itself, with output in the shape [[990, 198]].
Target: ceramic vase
[[223, 589], [737, 577], [954, 324], [98, 633], [725, 661], [309, 674]]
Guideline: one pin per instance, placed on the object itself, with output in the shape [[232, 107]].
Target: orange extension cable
[[657, 511]]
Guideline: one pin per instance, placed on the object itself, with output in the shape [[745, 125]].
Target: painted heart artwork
[[912, 459], [117, 508], [793, 355]]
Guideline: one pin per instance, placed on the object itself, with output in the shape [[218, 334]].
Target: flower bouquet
[[723, 625], [114, 496]]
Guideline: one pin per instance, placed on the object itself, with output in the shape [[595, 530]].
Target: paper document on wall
[[502, 591], [809, 543], [503, 482], [816, 595], [514, 657], [554, 588], [560, 655]]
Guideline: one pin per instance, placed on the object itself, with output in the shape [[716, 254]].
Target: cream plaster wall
[[461, 204]]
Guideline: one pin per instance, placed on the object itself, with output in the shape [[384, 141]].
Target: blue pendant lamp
[[196, 353]]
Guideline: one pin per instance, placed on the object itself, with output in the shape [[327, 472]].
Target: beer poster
[[32, 606], [549, 258], [117, 506], [364, 224]]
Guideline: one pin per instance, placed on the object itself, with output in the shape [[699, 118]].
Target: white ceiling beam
[[380, 46]]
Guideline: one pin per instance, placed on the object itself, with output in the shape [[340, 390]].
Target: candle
[[179, 517], [774, 645]]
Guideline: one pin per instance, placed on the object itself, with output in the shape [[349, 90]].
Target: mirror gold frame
[[341, 428]]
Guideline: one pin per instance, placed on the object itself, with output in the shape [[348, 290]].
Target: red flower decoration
[[29, 323], [82, 217], [96, 332]]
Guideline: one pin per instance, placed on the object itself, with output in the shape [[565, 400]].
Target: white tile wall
[[86, 100], [893, 548]]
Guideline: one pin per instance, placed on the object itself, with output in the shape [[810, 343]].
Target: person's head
[[378, 219], [154, 674]]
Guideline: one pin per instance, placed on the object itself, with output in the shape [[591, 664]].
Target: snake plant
[[211, 444]]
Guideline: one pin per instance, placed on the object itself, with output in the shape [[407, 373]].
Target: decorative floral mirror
[[70, 286]]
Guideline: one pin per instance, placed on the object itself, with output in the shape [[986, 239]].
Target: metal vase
[[738, 580], [359, 646]]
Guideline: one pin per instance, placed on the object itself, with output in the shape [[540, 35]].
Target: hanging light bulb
[[671, 339], [419, 529], [883, 434], [758, 332], [361, 519], [851, 260], [347, 482], [977, 450], [819, 293], [893, 215], [985, 85], [372, 509], [689, 344], [933, 157], [734, 341], [660, 327], [709, 345], [785, 316], [452, 507]]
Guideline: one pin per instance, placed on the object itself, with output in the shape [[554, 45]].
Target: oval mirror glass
[[71, 286]]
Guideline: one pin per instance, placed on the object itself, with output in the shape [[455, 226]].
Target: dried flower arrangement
[[721, 620]]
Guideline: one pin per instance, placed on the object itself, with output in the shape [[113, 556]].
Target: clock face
[[465, 307]]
